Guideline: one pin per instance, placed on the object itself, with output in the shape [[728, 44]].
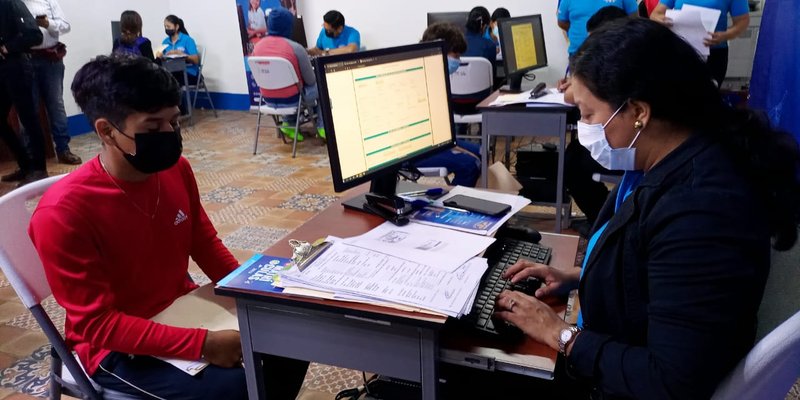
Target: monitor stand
[[387, 186], [514, 84]]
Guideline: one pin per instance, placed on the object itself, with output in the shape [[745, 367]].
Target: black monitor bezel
[[503, 44], [330, 131], [446, 17]]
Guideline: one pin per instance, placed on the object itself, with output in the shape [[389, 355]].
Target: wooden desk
[[519, 120], [359, 336]]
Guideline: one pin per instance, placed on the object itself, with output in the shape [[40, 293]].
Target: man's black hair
[[116, 86], [500, 12], [603, 15], [334, 18]]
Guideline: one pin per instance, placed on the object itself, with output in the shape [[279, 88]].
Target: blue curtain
[[775, 84]]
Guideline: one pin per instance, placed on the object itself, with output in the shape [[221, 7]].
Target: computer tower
[[537, 171]]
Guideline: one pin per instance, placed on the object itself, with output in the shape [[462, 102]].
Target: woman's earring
[[638, 125]]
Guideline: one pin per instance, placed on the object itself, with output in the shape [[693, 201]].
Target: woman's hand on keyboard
[[535, 318], [557, 281]]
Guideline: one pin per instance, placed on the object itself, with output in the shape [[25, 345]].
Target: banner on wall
[[253, 27]]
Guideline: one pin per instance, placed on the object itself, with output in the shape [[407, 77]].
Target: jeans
[[150, 377], [16, 75], [465, 166], [310, 96], [49, 86]]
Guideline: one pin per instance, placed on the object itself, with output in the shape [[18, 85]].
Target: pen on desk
[[428, 192]]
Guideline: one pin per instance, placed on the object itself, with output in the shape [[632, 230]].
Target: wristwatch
[[566, 336]]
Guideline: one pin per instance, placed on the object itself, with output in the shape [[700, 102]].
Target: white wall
[[390, 23]]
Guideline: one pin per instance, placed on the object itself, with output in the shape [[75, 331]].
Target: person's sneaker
[[68, 157], [32, 176], [288, 130], [17, 175], [321, 132]]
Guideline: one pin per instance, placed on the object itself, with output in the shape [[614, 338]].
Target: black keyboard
[[501, 255]]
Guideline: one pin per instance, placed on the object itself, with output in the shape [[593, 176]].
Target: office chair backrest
[[273, 72], [769, 370], [18, 258], [474, 75], [201, 51]]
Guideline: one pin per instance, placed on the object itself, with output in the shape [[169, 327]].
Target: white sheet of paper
[[709, 16], [553, 97], [438, 247], [688, 25], [361, 272]]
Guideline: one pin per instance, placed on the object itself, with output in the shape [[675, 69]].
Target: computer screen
[[115, 31], [457, 18], [383, 108], [522, 42]]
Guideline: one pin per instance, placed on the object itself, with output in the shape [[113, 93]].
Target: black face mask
[[330, 34], [156, 151], [169, 32]]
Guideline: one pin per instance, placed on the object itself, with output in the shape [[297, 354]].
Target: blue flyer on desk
[[456, 218], [259, 273]]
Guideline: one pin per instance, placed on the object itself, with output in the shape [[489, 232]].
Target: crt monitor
[[457, 18], [383, 109], [522, 42]]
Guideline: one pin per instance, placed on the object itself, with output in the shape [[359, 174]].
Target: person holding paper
[[718, 41], [573, 15], [677, 264], [115, 237]]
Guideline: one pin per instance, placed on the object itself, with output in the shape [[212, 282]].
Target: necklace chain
[[158, 193]]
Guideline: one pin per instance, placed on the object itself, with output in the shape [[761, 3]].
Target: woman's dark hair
[[453, 38], [603, 15], [116, 86], [174, 20], [639, 59], [334, 18], [130, 26], [478, 19], [500, 12]]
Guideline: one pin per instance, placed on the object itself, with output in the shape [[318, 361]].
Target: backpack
[[132, 49]]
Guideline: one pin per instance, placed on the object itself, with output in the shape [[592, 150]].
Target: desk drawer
[[522, 123], [335, 339]]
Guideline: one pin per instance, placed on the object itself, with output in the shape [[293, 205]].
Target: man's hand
[[715, 38], [223, 348], [42, 21], [314, 51]]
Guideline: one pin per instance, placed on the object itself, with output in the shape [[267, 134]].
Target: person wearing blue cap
[[278, 44]]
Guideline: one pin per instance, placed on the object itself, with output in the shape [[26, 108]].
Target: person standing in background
[[574, 14], [48, 66], [131, 40], [18, 33]]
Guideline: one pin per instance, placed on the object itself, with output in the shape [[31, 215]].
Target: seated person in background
[[464, 160], [131, 40], [494, 31], [279, 44], [479, 44], [115, 237], [179, 43], [579, 166], [256, 22], [335, 37], [673, 277]]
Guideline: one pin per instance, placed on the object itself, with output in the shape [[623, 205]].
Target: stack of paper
[[353, 272], [552, 98], [694, 24], [438, 215]]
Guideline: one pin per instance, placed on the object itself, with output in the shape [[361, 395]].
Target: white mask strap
[[615, 114]]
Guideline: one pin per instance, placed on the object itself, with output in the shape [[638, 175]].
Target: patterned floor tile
[[226, 194], [200, 154], [29, 375], [276, 170], [238, 214], [27, 321], [254, 238], [309, 202]]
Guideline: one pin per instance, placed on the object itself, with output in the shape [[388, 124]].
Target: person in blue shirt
[[718, 42], [179, 43], [479, 44], [573, 15], [336, 37], [494, 31]]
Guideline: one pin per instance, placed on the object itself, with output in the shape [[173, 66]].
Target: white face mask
[[593, 137]]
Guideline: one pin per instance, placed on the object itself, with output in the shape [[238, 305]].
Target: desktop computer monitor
[[382, 110], [522, 42], [457, 18], [116, 31]]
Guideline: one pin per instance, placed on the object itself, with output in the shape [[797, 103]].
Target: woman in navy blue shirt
[[479, 44]]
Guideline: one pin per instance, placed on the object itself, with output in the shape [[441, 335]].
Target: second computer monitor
[[383, 108], [522, 42], [457, 18]]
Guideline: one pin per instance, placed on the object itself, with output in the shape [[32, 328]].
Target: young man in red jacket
[[115, 237]]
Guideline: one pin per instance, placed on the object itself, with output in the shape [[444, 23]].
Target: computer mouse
[[520, 232]]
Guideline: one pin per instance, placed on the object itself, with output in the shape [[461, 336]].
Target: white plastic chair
[[20, 263], [276, 73], [473, 76], [201, 83]]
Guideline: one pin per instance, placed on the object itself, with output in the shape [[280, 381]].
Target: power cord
[[356, 392]]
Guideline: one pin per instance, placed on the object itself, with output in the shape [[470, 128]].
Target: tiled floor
[[252, 200]]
